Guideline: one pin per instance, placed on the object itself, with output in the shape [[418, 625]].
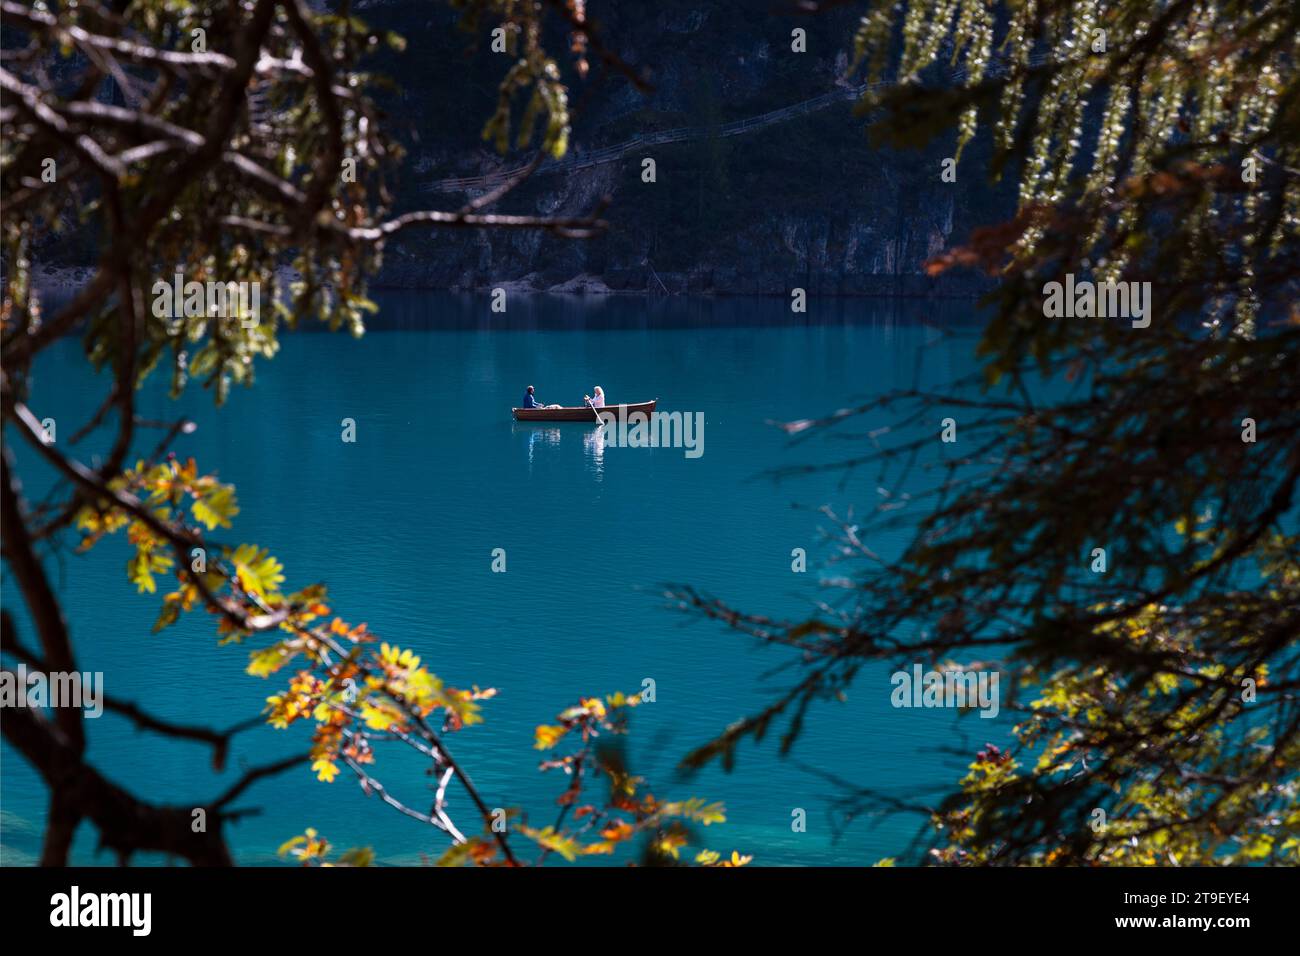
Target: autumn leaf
[[698, 810], [143, 566], [267, 660], [618, 831], [216, 508], [549, 838], [548, 735], [257, 571], [671, 843], [380, 716]]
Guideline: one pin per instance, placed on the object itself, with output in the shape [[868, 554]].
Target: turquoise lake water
[[401, 526]]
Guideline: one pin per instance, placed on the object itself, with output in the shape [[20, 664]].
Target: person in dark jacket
[[530, 400]]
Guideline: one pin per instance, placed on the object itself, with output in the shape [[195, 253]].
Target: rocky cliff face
[[796, 200]]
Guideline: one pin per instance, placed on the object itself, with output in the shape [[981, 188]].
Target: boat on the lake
[[582, 413]]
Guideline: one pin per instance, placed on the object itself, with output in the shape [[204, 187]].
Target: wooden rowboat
[[583, 413]]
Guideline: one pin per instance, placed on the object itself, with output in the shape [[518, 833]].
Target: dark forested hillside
[[803, 200], [800, 199]]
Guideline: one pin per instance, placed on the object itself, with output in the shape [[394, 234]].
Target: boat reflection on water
[[537, 434], [593, 442]]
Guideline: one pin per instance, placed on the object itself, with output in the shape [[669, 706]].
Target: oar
[[596, 411]]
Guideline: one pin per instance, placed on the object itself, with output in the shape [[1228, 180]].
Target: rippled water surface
[[401, 526]]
